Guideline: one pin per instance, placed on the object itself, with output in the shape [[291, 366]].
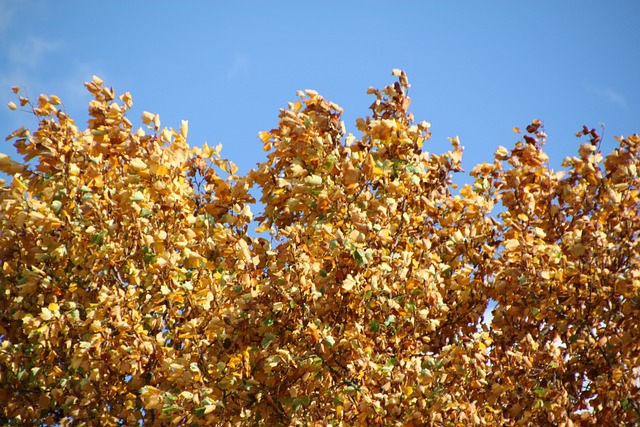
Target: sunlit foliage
[[137, 288]]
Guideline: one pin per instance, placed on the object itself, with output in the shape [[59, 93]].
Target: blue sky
[[477, 68]]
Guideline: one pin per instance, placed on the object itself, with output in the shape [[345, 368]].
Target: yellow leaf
[[12, 106], [187, 395], [515, 129], [74, 170], [126, 98], [46, 314], [501, 153], [18, 184], [264, 136], [350, 140], [457, 236], [539, 232], [298, 170], [262, 228], [162, 170], [233, 168], [184, 128], [130, 404], [147, 117], [511, 244], [348, 283], [10, 166], [234, 362], [368, 166], [137, 164]]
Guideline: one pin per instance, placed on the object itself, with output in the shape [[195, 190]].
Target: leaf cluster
[[134, 291]]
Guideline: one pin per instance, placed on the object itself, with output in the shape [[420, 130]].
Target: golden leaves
[[133, 291]]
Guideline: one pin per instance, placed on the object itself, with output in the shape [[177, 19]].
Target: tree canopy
[[135, 288]]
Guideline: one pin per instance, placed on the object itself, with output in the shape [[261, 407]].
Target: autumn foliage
[[136, 290]]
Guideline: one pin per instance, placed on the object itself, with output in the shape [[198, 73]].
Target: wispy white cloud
[[38, 62], [11, 12], [7, 11], [30, 51], [239, 66], [605, 93], [26, 64], [22, 61]]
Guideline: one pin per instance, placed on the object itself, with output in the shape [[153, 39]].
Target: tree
[[133, 291]]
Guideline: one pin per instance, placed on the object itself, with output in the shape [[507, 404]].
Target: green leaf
[[330, 340], [360, 257], [412, 168], [97, 239], [298, 402], [351, 389], [391, 319], [540, 391], [137, 196], [149, 257], [266, 341], [56, 206], [374, 325]]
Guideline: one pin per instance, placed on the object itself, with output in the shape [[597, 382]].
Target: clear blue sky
[[477, 68]]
